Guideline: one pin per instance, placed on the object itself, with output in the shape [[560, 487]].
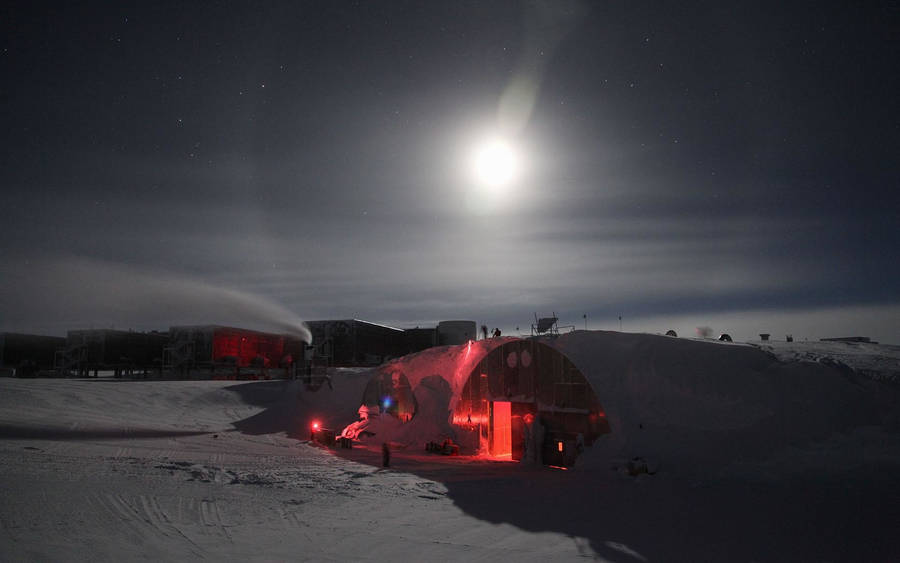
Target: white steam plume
[[69, 293]]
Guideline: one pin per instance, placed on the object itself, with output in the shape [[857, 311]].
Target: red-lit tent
[[663, 397], [491, 397]]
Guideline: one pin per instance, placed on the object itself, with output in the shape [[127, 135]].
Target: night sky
[[681, 164]]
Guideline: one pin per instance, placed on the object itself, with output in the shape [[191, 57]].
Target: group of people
[[494, 333]]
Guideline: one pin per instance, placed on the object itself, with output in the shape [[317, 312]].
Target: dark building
[[88, 352], [353, 342], [418, 339], [450, 333], [211, 349], [28, 354]]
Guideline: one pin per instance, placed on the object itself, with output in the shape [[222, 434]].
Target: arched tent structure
[[523, 389], [693, 403], [395, 385], [490, 396]]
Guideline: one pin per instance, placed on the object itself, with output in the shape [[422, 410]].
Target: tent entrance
[[501, 429], [507, 436]]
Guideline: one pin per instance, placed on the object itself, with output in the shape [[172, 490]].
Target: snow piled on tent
[[436, 376], [694, 403], [876, 361], [682, 402]]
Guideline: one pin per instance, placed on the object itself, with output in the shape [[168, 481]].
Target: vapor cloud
[[55, 295]]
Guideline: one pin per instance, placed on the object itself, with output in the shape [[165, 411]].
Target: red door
[[501, 426]]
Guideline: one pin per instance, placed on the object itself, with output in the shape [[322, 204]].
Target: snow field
[[760, 460], [101, 481]]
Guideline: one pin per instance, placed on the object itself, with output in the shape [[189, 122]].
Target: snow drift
[[706, 402]]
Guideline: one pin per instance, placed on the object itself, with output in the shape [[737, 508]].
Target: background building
[[222, 350], [27, 354], [87, 352]]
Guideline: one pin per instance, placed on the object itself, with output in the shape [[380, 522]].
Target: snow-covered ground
[[181, 470]]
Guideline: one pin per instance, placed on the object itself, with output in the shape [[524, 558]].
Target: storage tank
[[456, 332]]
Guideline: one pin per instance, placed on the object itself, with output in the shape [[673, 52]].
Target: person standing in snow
[[528, 456], [538, 433], [579, 446], [385, 454]]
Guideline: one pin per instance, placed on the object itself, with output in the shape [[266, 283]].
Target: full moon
[[495, 163]]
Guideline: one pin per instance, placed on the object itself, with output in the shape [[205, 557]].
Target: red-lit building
[[213, 349]]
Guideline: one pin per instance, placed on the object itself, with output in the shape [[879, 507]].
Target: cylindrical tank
[[456, 332]]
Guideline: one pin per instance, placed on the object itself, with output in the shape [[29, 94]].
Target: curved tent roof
[[452, 363], [422, 390], [706, 401]]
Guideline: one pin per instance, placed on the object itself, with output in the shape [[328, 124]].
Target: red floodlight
[[315, 425]]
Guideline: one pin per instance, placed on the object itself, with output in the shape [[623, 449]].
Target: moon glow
[[495, 163]]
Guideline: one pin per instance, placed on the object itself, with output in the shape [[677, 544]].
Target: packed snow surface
[[759, 459], [877, 361], [706, 402]]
